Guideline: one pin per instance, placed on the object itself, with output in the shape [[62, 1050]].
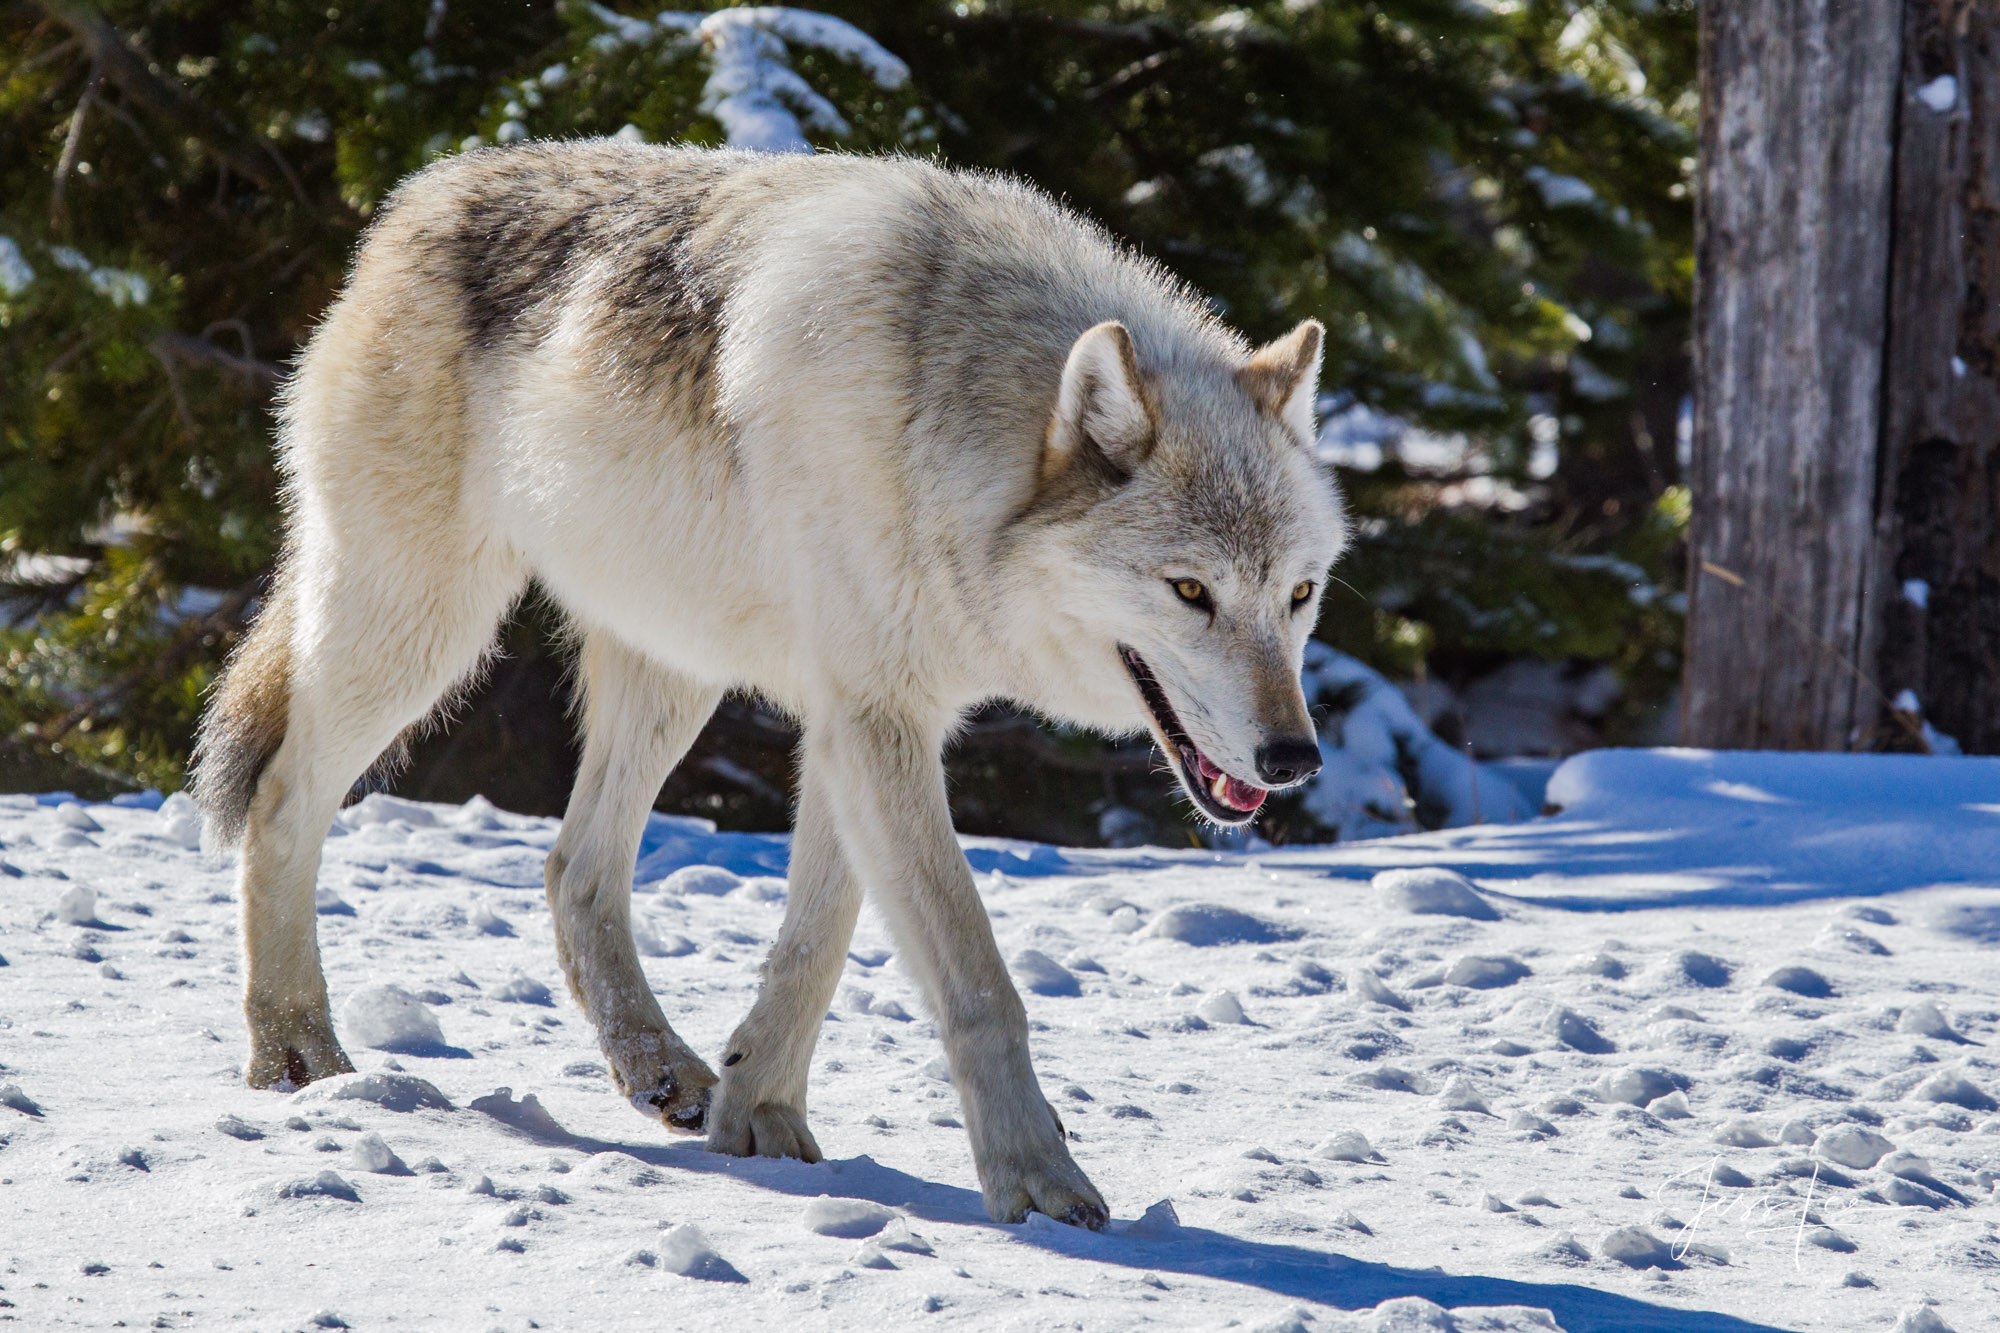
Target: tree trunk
[[1934, 598], [1847, 350]]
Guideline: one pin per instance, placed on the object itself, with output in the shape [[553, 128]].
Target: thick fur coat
[[876, 439]]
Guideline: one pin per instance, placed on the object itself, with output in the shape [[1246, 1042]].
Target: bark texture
[[1792, 264], [1934, 598], [1846, 475]]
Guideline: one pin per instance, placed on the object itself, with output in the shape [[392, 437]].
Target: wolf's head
[[1185, 530]]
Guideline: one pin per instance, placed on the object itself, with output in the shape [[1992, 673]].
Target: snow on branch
[[760, 102], [1386, 773]]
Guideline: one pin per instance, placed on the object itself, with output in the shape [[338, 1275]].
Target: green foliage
[[1486, 204], [1455, 592]]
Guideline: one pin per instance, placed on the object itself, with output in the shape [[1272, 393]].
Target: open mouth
[[1223, 798]]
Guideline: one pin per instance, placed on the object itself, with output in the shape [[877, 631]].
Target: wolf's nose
[[1286, 761]]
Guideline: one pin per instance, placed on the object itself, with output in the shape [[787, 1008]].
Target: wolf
[[873, 438]]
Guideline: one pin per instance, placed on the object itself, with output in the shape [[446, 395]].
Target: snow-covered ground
[[1714, 1048]]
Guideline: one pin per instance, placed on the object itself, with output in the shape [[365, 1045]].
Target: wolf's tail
[[245, 723]]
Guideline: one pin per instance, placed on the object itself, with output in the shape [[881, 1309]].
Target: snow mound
[[1578, 1033], [1349, 1145], [1368, 988], [1925, 1019], [653, 944], [14, 1099], [1636, 1247], [1956, 1089], [73, 816], [1852, 1145], [1414, 1314], [389, 1090], [1639, 1086], [382, 808], [1044, 975], [1485, 971], [849, 1219], [1698, 969], [527, 1115], [238, 1128], [1797, 817], [489, 922], [687, 1252], [180, 821], [712, 880], [520, 989], [1160, 1221], [370, 1153], [1205, 925], [325, 1185], [78, 906], [389, 1018], [1431, 891], [1800, 981], [1222, 1007]]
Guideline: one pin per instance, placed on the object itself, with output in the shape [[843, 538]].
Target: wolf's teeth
[[1220, 788]]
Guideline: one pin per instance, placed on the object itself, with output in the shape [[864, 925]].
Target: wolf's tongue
[[1243, 796], [1235, 794]]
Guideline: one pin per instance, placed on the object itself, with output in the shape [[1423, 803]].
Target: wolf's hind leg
[[760, 1110], [352, 650], [640, 719]]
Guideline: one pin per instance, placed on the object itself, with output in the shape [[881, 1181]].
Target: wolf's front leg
[[760, 1109], [886, 780], [640, 720]]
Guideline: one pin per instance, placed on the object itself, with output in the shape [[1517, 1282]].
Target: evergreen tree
[[1485, 204]]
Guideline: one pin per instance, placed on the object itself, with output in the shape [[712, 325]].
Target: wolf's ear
[[1103, 403], [1283, 377]]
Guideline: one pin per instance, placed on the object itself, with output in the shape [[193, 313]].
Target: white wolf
[[875, 439]]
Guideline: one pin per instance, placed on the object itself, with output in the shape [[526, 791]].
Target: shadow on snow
[[1290, 1271]]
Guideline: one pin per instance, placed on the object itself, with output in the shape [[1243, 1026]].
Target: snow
[[1431, 891], [1313, 1101], [389, 1018], [1560, 191], [15, 273], [757, 98], [1040, 974], [854, 1219], [1369, 739], [1940, 94], [119, 286]]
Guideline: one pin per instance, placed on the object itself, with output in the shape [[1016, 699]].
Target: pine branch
[[73, 145], [230, 614], [189, 351], [249, 155]]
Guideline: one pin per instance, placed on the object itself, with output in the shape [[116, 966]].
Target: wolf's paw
[[1057, 1189], [679, 1098], [769, 1129], [288, 1053]]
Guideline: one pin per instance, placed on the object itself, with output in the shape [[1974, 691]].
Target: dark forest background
[[1487, 204]]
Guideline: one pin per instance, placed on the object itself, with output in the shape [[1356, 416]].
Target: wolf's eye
[[1193, 592], [1302, 592]]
